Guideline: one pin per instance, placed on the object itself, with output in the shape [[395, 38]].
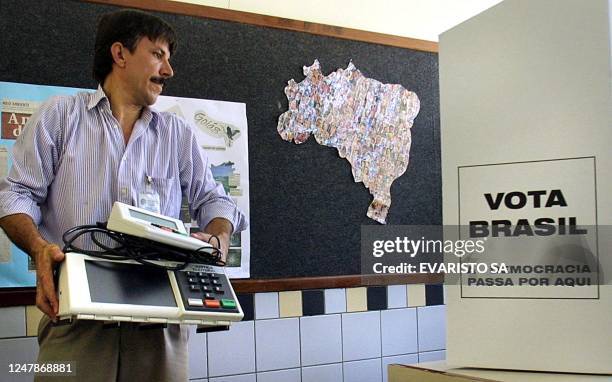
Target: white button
[[195, 302]]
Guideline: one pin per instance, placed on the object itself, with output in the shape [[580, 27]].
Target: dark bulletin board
[[306, 209]]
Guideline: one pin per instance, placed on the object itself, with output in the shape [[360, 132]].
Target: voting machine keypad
[[206, 291]]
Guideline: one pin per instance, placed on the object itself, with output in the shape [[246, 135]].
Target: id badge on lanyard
[[149, 199]]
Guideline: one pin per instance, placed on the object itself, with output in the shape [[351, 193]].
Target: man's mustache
[[159, 80]]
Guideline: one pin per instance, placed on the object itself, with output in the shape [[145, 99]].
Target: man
[[76, 156]]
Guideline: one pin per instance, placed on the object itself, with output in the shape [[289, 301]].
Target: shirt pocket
[[169, 195]]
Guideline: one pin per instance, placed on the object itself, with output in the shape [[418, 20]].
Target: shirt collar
[[148, 115], [96, 97]]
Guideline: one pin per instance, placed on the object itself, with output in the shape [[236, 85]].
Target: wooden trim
[[349, 281], [176, 7], [27, 296], [17, 296]]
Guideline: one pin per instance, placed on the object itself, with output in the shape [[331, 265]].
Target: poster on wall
[[227, 150], [539, 219], [221, 131]]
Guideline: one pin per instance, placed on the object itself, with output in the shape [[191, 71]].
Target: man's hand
[[222, 229], [222, 244], [22, 231], [46, 298]]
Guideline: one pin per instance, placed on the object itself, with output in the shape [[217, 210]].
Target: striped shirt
[[71, 164]]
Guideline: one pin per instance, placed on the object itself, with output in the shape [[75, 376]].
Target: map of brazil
[[368, 122]]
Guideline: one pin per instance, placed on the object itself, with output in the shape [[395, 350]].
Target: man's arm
[[35, 154], [22, 231]]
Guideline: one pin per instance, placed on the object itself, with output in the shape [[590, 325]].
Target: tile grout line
[[16, 338], [25, 319], [207, 357], [360, 359], [342, 340], [300, 338], [416, 311], [254, 338], [381, 345]]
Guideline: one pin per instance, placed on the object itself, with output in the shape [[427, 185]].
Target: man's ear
[[118, 53]]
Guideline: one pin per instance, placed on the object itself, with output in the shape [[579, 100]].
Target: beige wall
[[421, 19]]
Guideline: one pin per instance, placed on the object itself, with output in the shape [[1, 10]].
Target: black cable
[[120, 246]]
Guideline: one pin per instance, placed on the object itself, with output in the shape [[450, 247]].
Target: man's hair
[[127, 27]]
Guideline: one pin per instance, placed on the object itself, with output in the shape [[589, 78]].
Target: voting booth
[[525, 128], [439, 371]]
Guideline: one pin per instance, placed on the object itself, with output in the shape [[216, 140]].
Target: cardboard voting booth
[[442, 372], [526, 165]]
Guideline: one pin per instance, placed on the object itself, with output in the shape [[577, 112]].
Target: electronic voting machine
[[113, 290]]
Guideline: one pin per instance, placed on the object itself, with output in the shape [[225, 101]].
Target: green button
[[228, 304]]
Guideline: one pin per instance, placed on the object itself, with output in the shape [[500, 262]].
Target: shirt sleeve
[[207, 198], [35, 155]]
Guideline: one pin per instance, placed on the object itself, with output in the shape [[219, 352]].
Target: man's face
[[146, 70]]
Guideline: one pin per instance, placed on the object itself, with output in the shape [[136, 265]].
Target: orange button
[[212, 303]]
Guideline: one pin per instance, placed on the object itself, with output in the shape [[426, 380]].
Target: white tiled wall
[[361, 335], [432, 328], [198, 356], [235, 378], [399, 331], [363, 371], [335, 301], [396, 296], [332, 347], [321, 339], [232, 351], [289, 375], [13, 322], [431, 356], [17, 350], [322, 373], [266, 305], [337, 346], [278, 343]]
